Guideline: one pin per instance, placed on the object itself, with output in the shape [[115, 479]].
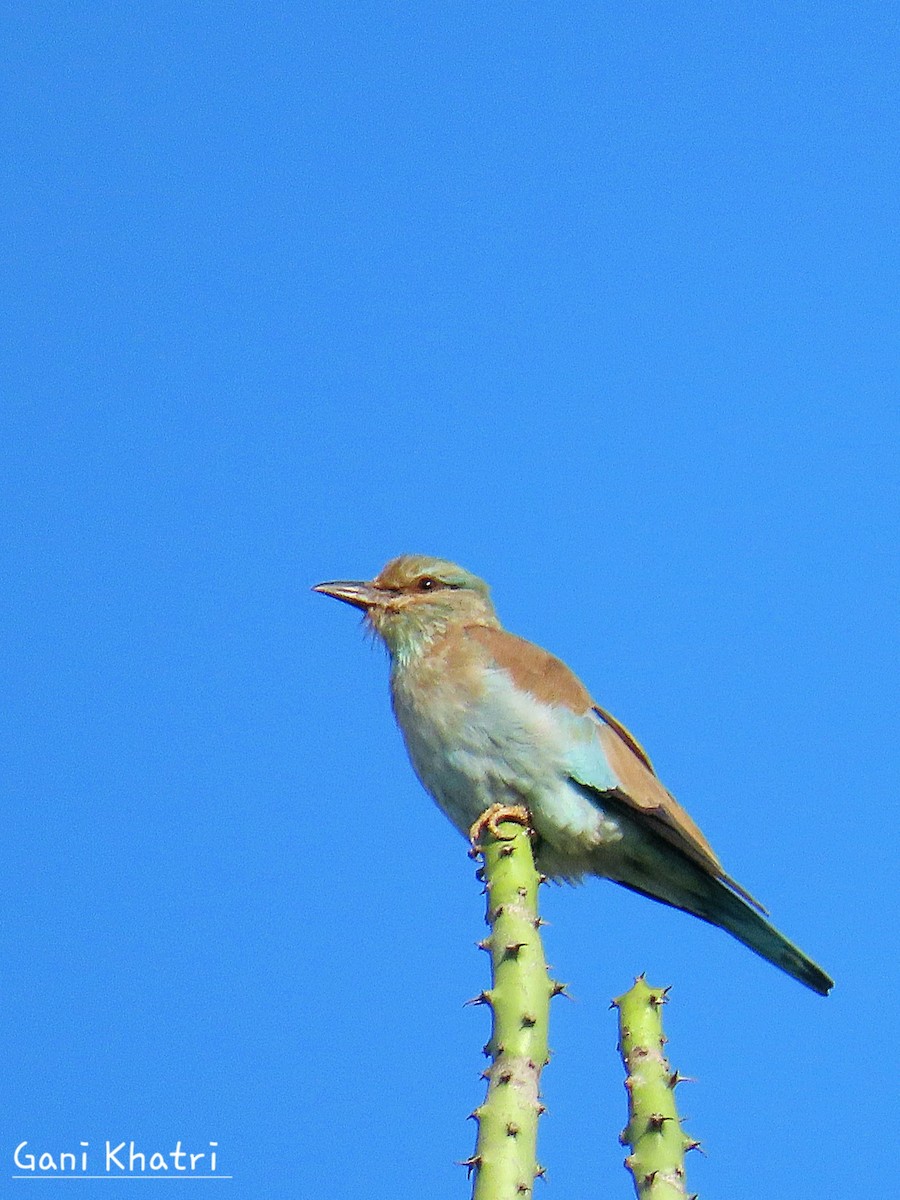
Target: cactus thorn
[[481, 998], [511, 949], [512, 1129], [560, 989], [539, 1171], [471, 1164], [676, 1077], [507, 850], [692, 1144], [650, 1178], [529, 1020], [504, 1076], [656, 1121], [484, 944], [539, 922]]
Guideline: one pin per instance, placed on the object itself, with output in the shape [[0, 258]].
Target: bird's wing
[[626, 736], [639, 790], [642, 791], [533, 670]]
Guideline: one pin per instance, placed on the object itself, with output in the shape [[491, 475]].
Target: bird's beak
[[360, 595]]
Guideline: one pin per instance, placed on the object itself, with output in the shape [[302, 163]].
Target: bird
[[491, 719]]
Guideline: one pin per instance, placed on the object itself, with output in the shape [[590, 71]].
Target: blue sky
[[600, 301]]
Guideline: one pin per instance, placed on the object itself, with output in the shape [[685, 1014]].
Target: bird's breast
[[460, 753], [475, 740]]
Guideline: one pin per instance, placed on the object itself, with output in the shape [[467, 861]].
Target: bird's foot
[[496, 814]]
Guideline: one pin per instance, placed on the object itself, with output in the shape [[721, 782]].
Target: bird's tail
[[713, 900], [730, 912]]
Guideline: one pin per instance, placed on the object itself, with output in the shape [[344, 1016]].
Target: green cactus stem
[[653, 1132], [504, 1162]]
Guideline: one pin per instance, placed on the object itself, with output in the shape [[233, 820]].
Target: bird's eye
[[426, 584]]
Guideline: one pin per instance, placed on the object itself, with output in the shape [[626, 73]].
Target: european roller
[[490, 719]]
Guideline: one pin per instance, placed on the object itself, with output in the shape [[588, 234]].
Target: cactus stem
[[653, 1133], [519, 999]]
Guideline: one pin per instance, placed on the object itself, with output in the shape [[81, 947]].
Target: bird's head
[[415, 599]]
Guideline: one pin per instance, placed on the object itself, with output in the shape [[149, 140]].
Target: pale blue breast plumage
[[475, 740]]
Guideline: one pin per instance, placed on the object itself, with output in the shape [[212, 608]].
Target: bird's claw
[[497, 813]]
